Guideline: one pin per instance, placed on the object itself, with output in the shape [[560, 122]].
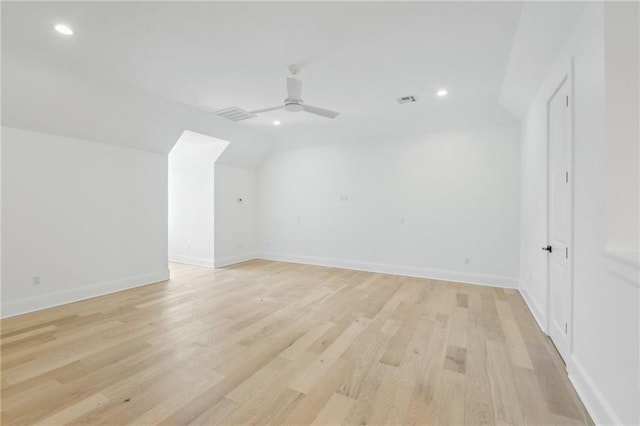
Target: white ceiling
[[356, 57]]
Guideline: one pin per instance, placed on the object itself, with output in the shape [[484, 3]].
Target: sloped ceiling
[[138, 74], [39, 97], [542, 30]]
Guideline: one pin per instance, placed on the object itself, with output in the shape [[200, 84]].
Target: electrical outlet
[[402, 221], [36, 280], [467, 260]]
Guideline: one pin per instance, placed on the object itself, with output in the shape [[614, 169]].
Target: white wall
[[191, 198], [622, 118], [235, 221], [85, 217], [603, 365], [409, 205]]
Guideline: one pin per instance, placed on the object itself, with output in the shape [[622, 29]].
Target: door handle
[[548, 248]]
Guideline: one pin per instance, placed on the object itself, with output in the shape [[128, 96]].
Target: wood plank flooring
[[275, 343]]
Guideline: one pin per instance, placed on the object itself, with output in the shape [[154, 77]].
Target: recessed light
[[63, 29], [442, 93], [276, 122]]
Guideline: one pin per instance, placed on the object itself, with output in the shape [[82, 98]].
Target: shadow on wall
[[191, 198]]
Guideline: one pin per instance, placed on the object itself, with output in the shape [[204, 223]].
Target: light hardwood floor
[[267, 342]]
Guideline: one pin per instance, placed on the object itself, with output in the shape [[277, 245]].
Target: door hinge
[[566, 252], [567, 99], [566, 328], [566, 177]]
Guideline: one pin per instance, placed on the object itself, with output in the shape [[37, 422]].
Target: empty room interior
[[320, 213]]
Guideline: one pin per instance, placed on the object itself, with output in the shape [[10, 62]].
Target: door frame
[[565, 77]]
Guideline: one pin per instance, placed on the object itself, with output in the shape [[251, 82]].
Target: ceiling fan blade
[[267, 109], [294, 88], [320, 111]]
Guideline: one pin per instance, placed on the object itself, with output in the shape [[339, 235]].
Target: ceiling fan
[[294, 103]]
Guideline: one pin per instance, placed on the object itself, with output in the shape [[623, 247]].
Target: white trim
[[49, 300], [238, 258], [409, 271], [629, 257], [190, 260], [538, 313], [623, 266], [594, 401]]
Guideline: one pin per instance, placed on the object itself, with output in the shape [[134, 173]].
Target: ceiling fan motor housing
[[293, 105]]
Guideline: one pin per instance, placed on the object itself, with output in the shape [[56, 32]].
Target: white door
[[560, 217]]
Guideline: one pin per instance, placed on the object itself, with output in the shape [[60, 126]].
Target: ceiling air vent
[[407, 99], [235, 114]]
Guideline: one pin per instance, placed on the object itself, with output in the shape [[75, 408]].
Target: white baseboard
[[598, 407], [534, 308], [594, 401], [191, 260], [409, 271], [238, 258], [23, 306]]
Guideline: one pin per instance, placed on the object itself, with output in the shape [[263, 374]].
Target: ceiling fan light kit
[[293, 105]]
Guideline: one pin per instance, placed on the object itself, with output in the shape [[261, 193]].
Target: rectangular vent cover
[[235, 114], [407, 99]]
